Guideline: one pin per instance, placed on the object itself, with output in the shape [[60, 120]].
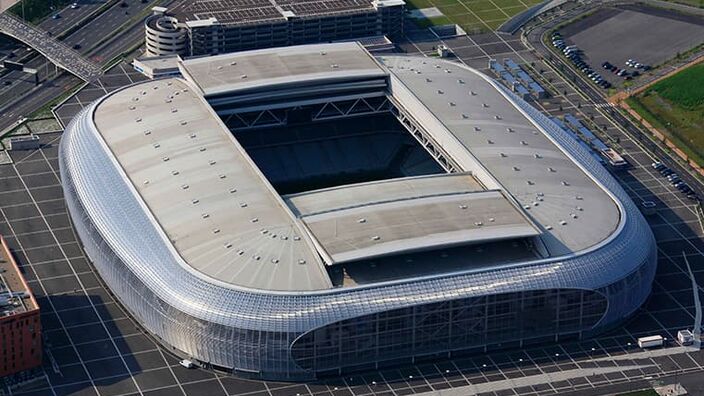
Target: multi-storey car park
[[207, 27], [296, 212]]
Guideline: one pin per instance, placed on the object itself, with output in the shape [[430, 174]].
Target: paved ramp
[[512, 25], [57, 52]]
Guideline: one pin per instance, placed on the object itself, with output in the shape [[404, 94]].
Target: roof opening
[[322, 154]]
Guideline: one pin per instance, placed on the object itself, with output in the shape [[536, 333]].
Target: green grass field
[[676, 106], [473, 16]]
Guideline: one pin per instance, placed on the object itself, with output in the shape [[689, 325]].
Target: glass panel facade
[[449, 326]]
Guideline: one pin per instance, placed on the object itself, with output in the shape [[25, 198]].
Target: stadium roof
[[477, 118], [212, 202], [374, 219], [232, 12], [226, 221], [316, 63]]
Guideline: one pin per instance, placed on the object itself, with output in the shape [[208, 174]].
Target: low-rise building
[[207, 28], [20, 327]]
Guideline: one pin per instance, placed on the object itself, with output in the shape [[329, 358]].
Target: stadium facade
[[204, 27], [299, 212]]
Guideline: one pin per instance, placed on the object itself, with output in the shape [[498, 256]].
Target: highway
[[68, 17], [596, 96], [26, 98], [56, 51], [14, 84]]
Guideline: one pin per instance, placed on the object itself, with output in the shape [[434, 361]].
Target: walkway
[[54, 50]]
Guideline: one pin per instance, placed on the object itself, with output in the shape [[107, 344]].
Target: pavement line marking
[[80, 283], [60, 320], [512, 383]]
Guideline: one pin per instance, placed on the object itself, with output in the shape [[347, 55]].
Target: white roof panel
[[239, 71], [212, 202], [508, 147], [404, 215]]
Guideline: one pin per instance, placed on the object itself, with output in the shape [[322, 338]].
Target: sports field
[[473, 16], [676, 106]]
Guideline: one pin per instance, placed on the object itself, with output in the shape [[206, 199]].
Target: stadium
[[299, 212]]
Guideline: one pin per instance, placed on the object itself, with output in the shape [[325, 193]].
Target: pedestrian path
[[51, 48]]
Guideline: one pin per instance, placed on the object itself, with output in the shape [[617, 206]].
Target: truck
[[186, 363], [650, 341], [614, 159], [685, 337]]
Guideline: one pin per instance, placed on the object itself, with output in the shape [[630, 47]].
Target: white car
[[74, 6], [186, 363]]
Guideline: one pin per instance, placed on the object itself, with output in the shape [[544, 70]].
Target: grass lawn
[[474, 16], [676, 107], [435, 21], [45, 111]]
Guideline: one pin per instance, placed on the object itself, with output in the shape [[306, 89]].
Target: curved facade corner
[[303, 335]]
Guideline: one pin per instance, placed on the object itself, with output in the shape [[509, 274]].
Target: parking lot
[[94, 347], [647, 35]]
